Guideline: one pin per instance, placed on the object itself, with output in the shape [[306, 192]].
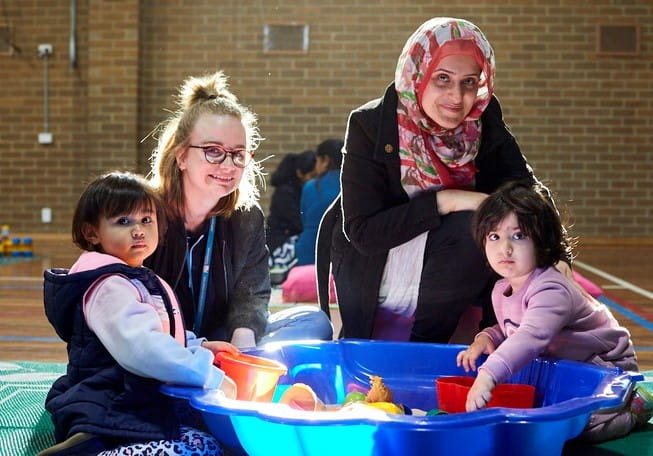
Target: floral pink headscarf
[[432, 156]]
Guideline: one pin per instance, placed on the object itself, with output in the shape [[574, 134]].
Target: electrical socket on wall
[[45, 137], [46, 215], [44, 50]]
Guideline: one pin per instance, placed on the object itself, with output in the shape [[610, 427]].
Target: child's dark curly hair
[[538, 219], [110, 195]]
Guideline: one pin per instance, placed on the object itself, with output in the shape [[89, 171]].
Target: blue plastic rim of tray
[[567, 393]]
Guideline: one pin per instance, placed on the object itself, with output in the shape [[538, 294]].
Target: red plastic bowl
[[255, 377], [452, 394]]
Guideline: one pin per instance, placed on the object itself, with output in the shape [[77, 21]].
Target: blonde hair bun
[[204, 88]]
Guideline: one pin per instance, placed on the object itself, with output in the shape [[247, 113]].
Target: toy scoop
[[302, 397]]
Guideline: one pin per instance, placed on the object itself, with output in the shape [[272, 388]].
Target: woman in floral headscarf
[[417, 163]]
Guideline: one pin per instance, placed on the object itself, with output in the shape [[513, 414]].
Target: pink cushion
[[593, 289], [301, 285]]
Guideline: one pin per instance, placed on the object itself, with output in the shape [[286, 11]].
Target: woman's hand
[[467, 358], [564, 268], [480, 393], [451, 200], [220, 346], [243, 338]]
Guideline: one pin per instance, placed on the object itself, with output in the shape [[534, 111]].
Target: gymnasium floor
[[623, 271]]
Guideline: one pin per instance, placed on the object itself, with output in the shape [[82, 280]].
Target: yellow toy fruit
[[388, 407]]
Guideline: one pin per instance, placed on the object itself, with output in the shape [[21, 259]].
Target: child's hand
[[229, 388], [219, 346], [467, 358], [480, 393]]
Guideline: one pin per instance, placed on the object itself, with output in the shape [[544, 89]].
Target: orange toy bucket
[[255, 377], [452, 394]]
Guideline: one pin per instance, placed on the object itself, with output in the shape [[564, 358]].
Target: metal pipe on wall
[[72, 40], [44, 52], [46, 106]]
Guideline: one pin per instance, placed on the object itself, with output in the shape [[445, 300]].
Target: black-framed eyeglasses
[[216, 154]]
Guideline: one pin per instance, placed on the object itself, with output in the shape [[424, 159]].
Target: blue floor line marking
[[622, 310], [31, 339]]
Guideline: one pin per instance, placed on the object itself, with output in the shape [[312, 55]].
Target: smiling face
[[205, 180], [510, 252], [131, 237], [451, 92]]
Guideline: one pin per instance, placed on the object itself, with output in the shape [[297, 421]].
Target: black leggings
[[455, 276]]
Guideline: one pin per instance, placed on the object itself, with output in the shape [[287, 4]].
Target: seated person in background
[[125, 334], [542, 312], [317, 196], [284, 222]]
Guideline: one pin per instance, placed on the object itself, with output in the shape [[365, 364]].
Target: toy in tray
[[452, 394], [256, 378], [378, 391], [300, 396], [378, 396]]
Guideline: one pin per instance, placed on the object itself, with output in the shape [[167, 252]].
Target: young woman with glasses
[[214, 253]]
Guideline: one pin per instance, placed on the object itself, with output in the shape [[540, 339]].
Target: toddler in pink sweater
[[540, 311]]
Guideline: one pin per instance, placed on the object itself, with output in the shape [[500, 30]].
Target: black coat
[[378, 215], [239, 281]]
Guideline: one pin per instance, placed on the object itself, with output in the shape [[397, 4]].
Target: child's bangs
[[128, 200]]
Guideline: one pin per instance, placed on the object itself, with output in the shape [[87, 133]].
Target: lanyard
[[201, 299]]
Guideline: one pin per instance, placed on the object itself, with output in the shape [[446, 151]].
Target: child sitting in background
[[539, 311], [124, 334], [284, 221]]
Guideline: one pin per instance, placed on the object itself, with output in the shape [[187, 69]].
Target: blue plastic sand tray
[[566, 394]]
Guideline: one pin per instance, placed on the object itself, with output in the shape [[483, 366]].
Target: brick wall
[[584, 121], [92, 106]]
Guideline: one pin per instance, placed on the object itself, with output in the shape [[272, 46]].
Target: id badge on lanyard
[[204, 281]]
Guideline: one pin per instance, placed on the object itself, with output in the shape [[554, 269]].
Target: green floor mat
[[25, 426]]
